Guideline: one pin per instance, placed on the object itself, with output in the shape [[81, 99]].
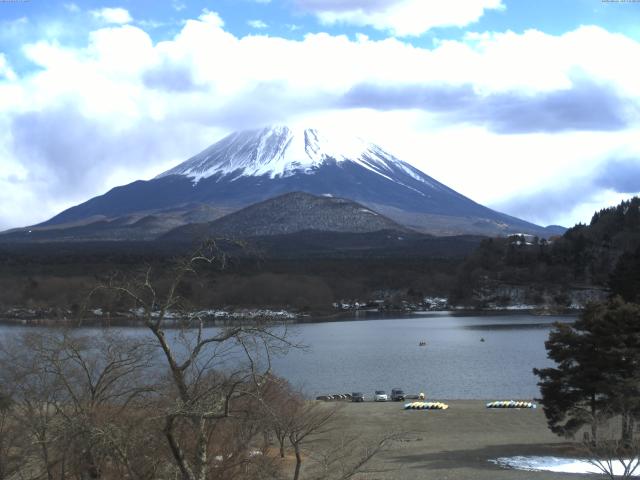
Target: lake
[[367, 355], [384, 353]]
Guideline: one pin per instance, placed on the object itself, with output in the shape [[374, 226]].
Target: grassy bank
[[452, 444]]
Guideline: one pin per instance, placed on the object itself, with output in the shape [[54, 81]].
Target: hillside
[[290, 213], [601, 256]]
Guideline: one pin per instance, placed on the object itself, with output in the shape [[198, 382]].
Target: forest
[[604, 254], [602, 257]]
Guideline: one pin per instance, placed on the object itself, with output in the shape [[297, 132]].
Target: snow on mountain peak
[[282, 151]]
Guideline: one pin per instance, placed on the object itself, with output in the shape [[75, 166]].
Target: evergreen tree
[[573, 393], [625, 278], [597, 371], [617, 324]]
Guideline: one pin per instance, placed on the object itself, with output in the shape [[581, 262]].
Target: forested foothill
[[57, 277], [308, 272], [598, 259]]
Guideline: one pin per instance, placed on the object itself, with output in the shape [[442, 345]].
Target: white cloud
[[72, 7], [400, 17], [212, 19], [151, 24], [259, 24], [112, 15], [5, 69], [123, 107]]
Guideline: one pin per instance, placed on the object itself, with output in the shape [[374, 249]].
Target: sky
[[529, 107]]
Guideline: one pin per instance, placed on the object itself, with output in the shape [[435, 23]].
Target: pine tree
[[573, 393], [625, 278], [597, 373], [618, 325]]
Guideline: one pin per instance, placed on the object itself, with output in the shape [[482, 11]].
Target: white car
[[380, 396]]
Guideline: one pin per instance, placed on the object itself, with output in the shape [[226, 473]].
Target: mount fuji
[[252, 166]]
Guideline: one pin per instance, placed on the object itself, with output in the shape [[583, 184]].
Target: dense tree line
[[301, 284], [603, 254]]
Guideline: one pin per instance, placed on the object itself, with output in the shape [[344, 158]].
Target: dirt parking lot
[[454, 444]]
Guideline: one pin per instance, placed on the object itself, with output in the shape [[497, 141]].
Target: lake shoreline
[[291, 318]]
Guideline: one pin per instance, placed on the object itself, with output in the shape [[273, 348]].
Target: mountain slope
[[290, 213], [251, 166]]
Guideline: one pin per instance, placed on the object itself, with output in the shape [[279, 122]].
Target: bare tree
[[310, 419], [310, 428], [280, 405], [35, 394], [347, 458], [613, 452], [100, 379], [10, 438], [209, 370], [71, 394]]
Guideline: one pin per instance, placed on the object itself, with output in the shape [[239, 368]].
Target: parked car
[[357, 397], [398, 395], [380, 396]]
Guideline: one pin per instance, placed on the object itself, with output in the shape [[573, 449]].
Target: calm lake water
[[367, 355], [384, 353]]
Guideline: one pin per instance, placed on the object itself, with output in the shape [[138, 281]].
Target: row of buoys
[[425, 406], [510, 404], [337, 396]]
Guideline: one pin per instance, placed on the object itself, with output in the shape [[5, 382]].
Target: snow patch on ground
[[556, 464]]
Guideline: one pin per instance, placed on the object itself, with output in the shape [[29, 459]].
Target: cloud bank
[[401, 18], [610, 182], [118, 16], [584, 105]]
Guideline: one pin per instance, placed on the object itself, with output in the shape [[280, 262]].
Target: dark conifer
[[625, 278], [597, 373]]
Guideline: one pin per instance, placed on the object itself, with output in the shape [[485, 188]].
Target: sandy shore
[[454, 444]]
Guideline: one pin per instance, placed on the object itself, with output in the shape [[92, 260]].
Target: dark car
[[397, 395], [357, 397]]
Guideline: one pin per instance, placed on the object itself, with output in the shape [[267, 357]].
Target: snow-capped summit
[[281, 151]]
